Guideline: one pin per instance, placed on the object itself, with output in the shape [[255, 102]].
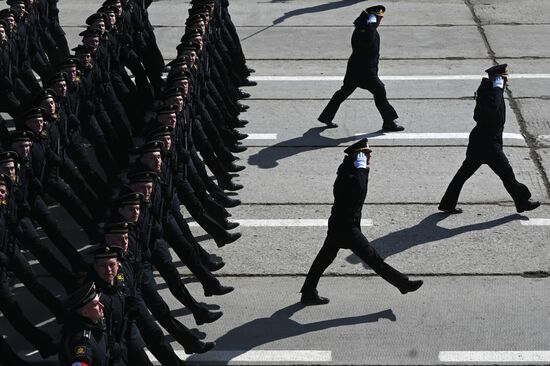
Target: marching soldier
[[362, 70], [485, 145], [344, 228], [84, 340]]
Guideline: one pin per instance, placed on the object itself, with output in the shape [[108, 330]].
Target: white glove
[[371, 19], [498, 82], [360, 161]]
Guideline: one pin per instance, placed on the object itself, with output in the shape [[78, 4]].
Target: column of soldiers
[[154, 142]]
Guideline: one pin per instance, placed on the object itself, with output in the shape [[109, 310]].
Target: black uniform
[[485, 147], [344, 230], [362, 72], [84, 342]]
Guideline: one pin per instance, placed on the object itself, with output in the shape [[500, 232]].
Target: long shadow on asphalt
[[424, 232], [312, 139], [279, 326], [314, 9]]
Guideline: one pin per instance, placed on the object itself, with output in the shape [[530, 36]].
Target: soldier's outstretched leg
[[360, 246], [9, 357], [31, 240], [327, 115], [13, 313], [23, 271], [450, 198], [42, 214], [519, 191], [324, 258]]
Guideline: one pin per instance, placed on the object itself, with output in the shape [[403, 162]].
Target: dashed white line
[[256, 356], [395, 77], [536, 222], [262, 136], [433, 136], [494, 356], [285, 222]]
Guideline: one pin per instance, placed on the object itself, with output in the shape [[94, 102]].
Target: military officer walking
[[344, 229], [362, 70], [485, 145]]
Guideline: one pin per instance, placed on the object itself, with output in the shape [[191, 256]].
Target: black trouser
[[498, 162], [188, 198], [80, 156], [208, 183], [31, 240], [188, 254], [9, 357], [14, 314], [184, 227], [18, 264], [119, 118], [350, 238], [374, 85], [42, 214], [213, 159], [93, 132], [161, 312], [73, 177], [162, 260], [63, 194]]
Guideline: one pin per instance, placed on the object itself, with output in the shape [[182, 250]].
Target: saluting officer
[[485, 145], [344, 227], [84, 339], [362, 70]]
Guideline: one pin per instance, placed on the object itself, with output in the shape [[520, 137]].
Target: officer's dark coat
[[83, 341], [350, 190], [363, 62], [490, 116]]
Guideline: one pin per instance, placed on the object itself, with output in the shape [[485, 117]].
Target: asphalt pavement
[[486, 272]]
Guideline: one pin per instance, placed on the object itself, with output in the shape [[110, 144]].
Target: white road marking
[[256, 356], [433, 136], [261, 136], [494, 356], [285, 222], [536, 222], [396, 77]]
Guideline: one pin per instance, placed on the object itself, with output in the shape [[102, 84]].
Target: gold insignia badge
[[79, 351], [120, 277]]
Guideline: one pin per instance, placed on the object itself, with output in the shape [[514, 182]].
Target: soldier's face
[[49, 105], [176, 100], [167, 140], [168, 119], [92, 41], [8, 169], [152, 160], [3, 192], [92, 310], [19, 9], [36, 125], [22, 148], [119, 240], [107, 269], [145, 188], [3, 35], [60, 88], [85, 59], [100, 24], [129, 212], [112, 19], [11, 22], [71, 73]]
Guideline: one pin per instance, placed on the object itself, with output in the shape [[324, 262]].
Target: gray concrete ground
[[485, 271]]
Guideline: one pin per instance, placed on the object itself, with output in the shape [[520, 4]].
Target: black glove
[[115, 351]]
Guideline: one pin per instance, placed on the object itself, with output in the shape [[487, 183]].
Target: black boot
[[313, 299], [528, 205], [392, 126]]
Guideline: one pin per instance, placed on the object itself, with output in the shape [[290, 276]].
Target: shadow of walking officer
[[424, 232], [312, 139], [280, 326]]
